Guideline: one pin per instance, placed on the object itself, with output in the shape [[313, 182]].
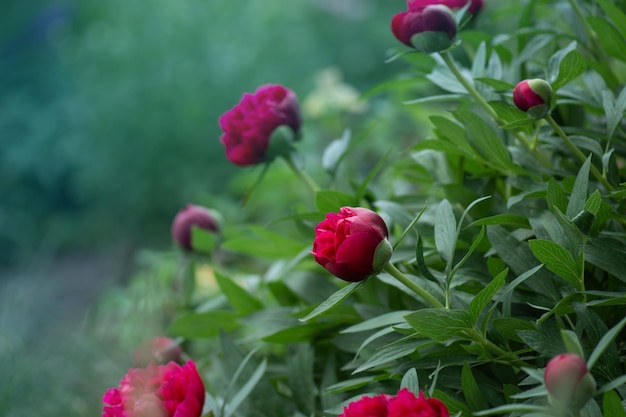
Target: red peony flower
[[352, 244], [533, 96], [435, 22], [568, 381], [415, 5], [249, 125], [406, 404], [160, 349], [367, 407], [157, 391], [187, 218]]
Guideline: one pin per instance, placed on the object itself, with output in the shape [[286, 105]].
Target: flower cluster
[[404, 404], [249, 125], [168, 390]]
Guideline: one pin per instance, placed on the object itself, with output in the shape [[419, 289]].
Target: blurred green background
[[108, 125]]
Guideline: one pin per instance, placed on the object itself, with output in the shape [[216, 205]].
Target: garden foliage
[[507, 230]]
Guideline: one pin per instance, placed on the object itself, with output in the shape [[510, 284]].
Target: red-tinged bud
[[568, 381], [475, 7], [189, 217], [533, 96], [429, 29]]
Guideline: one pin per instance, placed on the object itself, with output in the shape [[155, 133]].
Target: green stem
[[301, 173], [495, 349], [397, 274], [447, 58], [577, 151]]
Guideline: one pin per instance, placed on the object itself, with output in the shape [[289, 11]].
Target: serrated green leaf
[[239, 298], [471, 390], [480, 300], [334, 299], [557, 259], [593, 203], [203, 325], [439, 323], [445, 231], [328, 201]]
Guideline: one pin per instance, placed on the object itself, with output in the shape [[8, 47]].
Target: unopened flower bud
[[429, 29], [189, 217], [568, 381], [533, 96]]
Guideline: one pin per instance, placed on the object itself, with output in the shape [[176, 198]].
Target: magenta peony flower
[[568, 381], [404, 404], [414, 5], [352, 244], [533, 96], [187, 218], [435, 23], [367, 407], [157, 391], [160, 349], [249, 125]]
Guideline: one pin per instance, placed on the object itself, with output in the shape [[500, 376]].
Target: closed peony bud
[[248, 126], [160, 349], [475, 7], [429, 29], [533, 96], [569, 383], [157, 391], [189, 217], [352, 244]]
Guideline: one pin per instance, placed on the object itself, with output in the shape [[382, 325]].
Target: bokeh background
[[108, 125]]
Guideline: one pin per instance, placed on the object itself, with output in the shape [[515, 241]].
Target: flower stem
[[397, 274], [490, 111], [301, 173], [577, 151]]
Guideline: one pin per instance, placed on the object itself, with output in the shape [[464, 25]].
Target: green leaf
[[480, 301], [388, 354], [421, 262], [239, 298], [484, 140], [603, 344], [616, 383], [328, 201], [469, 252], [471, 390], [262, 243], [335, 152], [557, 259], [334, 299], [411, 382], [572, 344], [546, 340], [614, 109], [203, 240], [453, 133], [612, 405], [299, 361], [578, 196], [445, 231], [608, 253], [556, 196], [439, 323], [245, 390], [593, 203], [615, 14], [382, 320], [569, 63], [203, 325], [496, 84], [514, 220], [611, 39]]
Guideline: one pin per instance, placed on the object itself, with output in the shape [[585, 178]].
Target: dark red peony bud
[[249, 125], [475, 7], [189, 217], [568, 381], [352, 244], [429, 29], [160, 349], [533, 96]]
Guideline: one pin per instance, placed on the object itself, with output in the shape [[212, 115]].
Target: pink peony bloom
[[414, 5], [346, 243], [187, 218], [249, 125], [157, 391]]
